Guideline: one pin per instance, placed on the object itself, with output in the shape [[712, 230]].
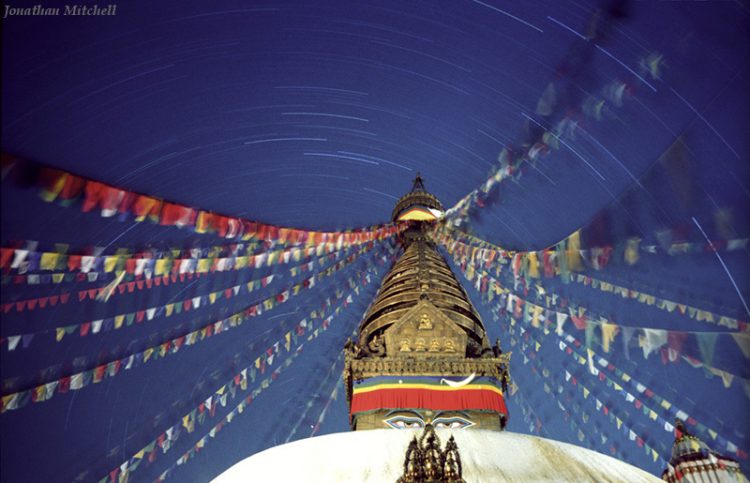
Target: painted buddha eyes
[[451, 423], [404, 422], [408, 422]]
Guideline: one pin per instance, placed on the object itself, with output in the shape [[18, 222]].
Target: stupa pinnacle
[[423, 356]]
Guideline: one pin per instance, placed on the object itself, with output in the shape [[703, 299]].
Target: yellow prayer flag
[[631, 251], [609, 331], [119, 319], [533, 265], [204, 265], [536, 313], [572, 251], [51, 193], [48, 260], [110, 263], [59, 333], [160, 267]]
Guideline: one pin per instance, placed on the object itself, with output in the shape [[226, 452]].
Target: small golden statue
[[420, 345], [404, 346], [424, 322], [448, 345]]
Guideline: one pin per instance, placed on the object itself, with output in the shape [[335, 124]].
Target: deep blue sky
[[317, 115]]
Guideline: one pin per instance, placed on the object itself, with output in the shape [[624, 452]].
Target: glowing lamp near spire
[[418, 204]]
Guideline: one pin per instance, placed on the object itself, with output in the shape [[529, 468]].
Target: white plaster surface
[[378, 455]]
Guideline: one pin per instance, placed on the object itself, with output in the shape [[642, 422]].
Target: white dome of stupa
[[378, 456]]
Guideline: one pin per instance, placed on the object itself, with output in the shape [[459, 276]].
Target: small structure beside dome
[[693, 461]]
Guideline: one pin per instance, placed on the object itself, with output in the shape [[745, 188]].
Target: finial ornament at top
[[418, 183]]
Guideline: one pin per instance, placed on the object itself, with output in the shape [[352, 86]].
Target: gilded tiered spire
[[423, 356]]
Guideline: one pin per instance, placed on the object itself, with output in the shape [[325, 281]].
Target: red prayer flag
[[177, 215], [64, 385], [94, 192], [74, 262], [6, 254]]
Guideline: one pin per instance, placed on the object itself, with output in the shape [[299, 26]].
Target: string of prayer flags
[[238, 383], [477, 261], [46, 391], [649, 340], [67, 188], [585, 321], [568, 255], [191, 303], [568, 345], [156, 264], [512, 161], [141, 284], [575, 384]]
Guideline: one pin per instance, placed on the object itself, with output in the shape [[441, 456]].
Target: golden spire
[[423, 356]]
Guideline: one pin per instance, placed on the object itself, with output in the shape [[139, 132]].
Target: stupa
[[426, 390]]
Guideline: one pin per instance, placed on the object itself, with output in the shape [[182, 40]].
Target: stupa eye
[[451, 423], [405, 422]]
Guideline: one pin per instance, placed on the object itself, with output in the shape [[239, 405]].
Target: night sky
[[626, 120]]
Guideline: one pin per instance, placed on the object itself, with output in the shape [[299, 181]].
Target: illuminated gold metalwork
[[421, 322], [417, 198], [426, 462]]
